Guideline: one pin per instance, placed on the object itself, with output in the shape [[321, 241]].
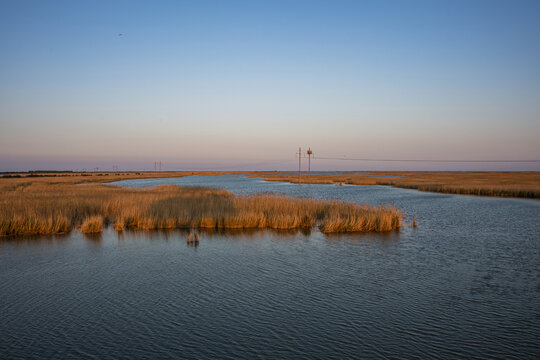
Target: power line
[[428, 160]]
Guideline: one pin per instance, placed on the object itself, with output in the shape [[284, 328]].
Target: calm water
[[328, 173], [464, 284]]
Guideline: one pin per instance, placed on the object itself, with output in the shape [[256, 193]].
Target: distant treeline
[[50, 171], [33, 175]]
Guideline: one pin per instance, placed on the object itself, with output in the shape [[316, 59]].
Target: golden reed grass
[[502, 184], [92, 224], [46, 207]]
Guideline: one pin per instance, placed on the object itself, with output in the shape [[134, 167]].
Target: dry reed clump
[[34, 225], [92, 224], [358, 218], [48, 208]]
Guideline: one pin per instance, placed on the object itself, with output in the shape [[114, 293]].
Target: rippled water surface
[[464, 284]]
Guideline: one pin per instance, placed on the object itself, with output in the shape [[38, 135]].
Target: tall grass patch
[[47, 208]]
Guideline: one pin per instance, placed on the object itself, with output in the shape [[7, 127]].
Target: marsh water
[[345, 174], [464, 284]]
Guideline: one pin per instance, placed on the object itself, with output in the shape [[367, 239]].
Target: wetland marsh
[[464, 283]]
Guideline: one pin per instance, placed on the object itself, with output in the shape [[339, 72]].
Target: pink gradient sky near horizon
[[241, 85]]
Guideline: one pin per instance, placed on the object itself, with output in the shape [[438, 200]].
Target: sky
[[241, 85]]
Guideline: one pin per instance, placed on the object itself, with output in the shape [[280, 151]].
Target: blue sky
[[242, 84]]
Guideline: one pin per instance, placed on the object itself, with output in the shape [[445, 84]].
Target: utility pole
[[159, 165], [299, 163], [309, 152]]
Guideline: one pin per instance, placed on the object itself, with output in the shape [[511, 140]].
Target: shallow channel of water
[[344, 174], [464, 284]]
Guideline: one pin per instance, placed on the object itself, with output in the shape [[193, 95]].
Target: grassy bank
[[469, 189], [502, 184], [518, 184], [45, 206]]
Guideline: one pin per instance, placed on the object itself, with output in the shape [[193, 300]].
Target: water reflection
[[469, 269], [358, 236], [95, 238], [36, 240], [231, 234], [153, 235]]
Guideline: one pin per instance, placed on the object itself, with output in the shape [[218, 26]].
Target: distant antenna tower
[[299, 163], [309, 152]]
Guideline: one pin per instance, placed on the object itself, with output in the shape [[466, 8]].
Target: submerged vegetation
[[46, 207]]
